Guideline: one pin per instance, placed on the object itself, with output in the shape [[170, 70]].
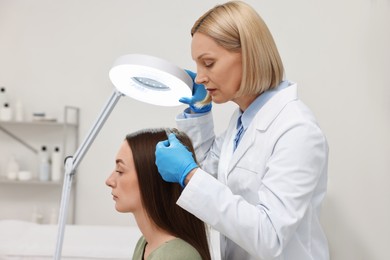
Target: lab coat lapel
[[264, 117], [247, 140], [227, 148]]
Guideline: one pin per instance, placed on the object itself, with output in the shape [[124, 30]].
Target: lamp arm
[[104, 114], [71, 164]]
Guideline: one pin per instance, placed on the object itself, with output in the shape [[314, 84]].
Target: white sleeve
[[201, 132], [293, 174]]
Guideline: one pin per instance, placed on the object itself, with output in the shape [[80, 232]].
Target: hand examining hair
[[173, 160], [199, 93]]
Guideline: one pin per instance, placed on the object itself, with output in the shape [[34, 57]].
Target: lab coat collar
[[250, 113], [272, 108], [262, 120]]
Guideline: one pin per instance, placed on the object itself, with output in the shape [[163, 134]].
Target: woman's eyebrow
[[202, 55], [117, 161]]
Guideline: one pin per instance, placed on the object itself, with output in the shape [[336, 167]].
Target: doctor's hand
[[199, 93], [173, 160]]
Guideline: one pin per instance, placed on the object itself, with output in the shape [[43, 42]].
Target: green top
[[175, 249]]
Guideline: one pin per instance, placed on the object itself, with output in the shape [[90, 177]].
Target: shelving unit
[[30, 182], [24, 139]]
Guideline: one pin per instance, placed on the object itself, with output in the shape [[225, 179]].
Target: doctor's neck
[[244, 101]]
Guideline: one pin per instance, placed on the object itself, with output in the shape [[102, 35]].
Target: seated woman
[[169, 232]]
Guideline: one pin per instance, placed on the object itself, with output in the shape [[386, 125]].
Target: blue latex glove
[[173, 160], [199, 93]]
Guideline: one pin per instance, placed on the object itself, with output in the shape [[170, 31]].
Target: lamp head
[[150, 79]]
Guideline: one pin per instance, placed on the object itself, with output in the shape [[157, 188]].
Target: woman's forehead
[[124, 154]]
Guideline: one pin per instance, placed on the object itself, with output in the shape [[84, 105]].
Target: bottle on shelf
[[12, 168], [3, 96], [19, 111], [44, 164], [6, 112], [24, 175], [56, 164], [3, 101]]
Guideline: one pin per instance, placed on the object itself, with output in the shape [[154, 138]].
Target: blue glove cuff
[[189, 168]]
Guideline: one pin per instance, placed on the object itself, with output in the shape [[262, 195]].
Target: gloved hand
[[173, 160], [199, 93]]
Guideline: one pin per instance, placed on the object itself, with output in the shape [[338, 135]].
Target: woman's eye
[[208, 63]]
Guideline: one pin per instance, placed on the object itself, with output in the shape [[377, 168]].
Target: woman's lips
[[211, 90]]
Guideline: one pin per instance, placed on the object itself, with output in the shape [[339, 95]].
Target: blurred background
[[58, 53]]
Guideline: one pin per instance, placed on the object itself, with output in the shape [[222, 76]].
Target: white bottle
[[44, 164], [56, 164], [3, 101], [12, 168], [3, 97], [6, 112], [19, 111]]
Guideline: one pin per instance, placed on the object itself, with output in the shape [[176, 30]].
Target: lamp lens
[[150, 83]]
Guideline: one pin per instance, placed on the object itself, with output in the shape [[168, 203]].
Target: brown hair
[[159, 197], [237, 27]]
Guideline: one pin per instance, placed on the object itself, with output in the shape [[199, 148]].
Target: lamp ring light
[[150, 79]]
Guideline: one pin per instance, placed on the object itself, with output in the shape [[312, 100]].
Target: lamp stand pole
[[71, 164]]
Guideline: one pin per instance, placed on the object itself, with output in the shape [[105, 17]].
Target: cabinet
[[29, 199]]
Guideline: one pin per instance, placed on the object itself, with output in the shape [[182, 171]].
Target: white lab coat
[[264, 198]]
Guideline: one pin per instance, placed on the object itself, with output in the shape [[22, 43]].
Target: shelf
[[64, 125], [37, 123], [19, 195], [33, 181]]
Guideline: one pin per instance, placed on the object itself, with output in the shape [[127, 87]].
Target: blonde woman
[[262, 182]]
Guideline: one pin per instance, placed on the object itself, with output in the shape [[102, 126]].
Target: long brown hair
[[159, 197]]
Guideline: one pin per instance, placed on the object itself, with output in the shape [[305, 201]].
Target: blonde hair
[[236, 26]]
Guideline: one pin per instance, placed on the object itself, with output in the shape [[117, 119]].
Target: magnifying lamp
[[142, 77]]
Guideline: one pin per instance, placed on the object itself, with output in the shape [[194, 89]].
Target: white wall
[[56, 53]]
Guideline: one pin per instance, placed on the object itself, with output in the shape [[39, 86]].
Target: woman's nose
[[200, 78], [110, 181]]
